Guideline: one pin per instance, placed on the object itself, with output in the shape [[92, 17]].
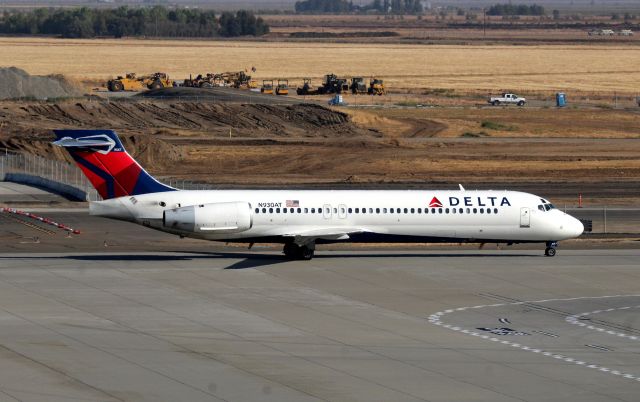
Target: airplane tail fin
[[103, 159]]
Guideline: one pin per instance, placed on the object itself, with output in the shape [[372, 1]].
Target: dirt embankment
[[158, 132], [17, 83]]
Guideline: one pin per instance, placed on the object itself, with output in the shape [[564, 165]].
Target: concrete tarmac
[[455, 325]]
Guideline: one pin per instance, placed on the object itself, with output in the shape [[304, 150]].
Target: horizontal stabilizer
[[69, 142]]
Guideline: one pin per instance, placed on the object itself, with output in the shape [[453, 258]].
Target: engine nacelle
[[219, 217]]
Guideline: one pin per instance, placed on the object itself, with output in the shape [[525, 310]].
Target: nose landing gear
[[550, 251]]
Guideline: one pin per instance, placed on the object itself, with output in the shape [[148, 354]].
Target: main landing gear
[[296, 252], [550, 251]]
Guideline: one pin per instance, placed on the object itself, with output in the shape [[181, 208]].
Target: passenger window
[[426, 210], [377, 210], [270, 210], [453, 210], [370, 210], [419, 210], [335, 210], [264, 210], [390, 210], [488, 210], [406, 211], [342, 211], [433, 210], [461, 210], [495, 210], [468, 210], [284, 210], [299, 210], [413, 211], [257, 210], [292, 210], [439, 210], [475, 210], [357, 210], [446, 210], [313, 210], [364, 210], [482, 210], [350, 210], [384, 210]]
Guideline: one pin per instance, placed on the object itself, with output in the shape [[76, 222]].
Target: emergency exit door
[[525, 217]]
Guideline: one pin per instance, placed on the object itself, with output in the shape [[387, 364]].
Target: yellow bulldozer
[[376, 87], [131, 82]]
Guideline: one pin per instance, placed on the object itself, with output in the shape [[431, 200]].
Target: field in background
[[480, 67]]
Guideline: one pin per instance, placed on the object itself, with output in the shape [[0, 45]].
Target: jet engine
[[219, 217]]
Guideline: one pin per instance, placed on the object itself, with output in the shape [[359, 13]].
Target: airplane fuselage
[[358, 215]]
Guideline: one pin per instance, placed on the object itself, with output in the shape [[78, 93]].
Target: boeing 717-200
[[300, 219]]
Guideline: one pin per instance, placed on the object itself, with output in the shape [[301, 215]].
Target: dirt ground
[[559, 154]]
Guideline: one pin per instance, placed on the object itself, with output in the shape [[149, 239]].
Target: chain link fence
[[64, 178], [68, 180], [56, 176]]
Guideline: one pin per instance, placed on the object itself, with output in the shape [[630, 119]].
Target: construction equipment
[[131, 82], [358, 86], [333, 85], [283, 87], [306, 88], [376, 87], [238, 79], [206, 81], [267, 87]]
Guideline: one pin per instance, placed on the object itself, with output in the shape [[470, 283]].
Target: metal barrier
[[56, 176], [63, 178]]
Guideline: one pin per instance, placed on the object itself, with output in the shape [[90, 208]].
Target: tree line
[[124, 21], [515, 9], [344, 6]]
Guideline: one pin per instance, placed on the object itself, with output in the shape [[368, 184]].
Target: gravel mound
[[17, 83]]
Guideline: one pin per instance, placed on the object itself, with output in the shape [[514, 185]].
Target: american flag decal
[[292, 203]]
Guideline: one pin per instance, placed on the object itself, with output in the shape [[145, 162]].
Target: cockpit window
[[541, 208]]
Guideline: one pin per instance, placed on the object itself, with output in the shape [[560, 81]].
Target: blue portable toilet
[[561, 99]]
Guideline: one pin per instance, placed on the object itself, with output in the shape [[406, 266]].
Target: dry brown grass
[[544, 67]]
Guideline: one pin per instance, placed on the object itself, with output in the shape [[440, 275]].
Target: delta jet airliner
[[301, 219]]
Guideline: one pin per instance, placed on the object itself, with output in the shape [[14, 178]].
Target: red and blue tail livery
[[105, 162]]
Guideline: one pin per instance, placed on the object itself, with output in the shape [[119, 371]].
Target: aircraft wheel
[[550, 251], [291, 251], [306, 253]]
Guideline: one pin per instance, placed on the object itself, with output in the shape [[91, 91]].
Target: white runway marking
[[574, 319]]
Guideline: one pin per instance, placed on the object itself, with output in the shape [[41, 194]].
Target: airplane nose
[[574, 227]]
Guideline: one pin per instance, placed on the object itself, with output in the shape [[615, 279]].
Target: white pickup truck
[[507, 99]]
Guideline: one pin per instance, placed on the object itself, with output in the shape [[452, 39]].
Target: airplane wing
[[307, 236]]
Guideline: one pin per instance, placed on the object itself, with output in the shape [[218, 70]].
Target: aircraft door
[[525, 217], [342, 211], [326, 211]]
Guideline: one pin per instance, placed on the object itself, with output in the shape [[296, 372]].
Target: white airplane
[[300, 219]]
